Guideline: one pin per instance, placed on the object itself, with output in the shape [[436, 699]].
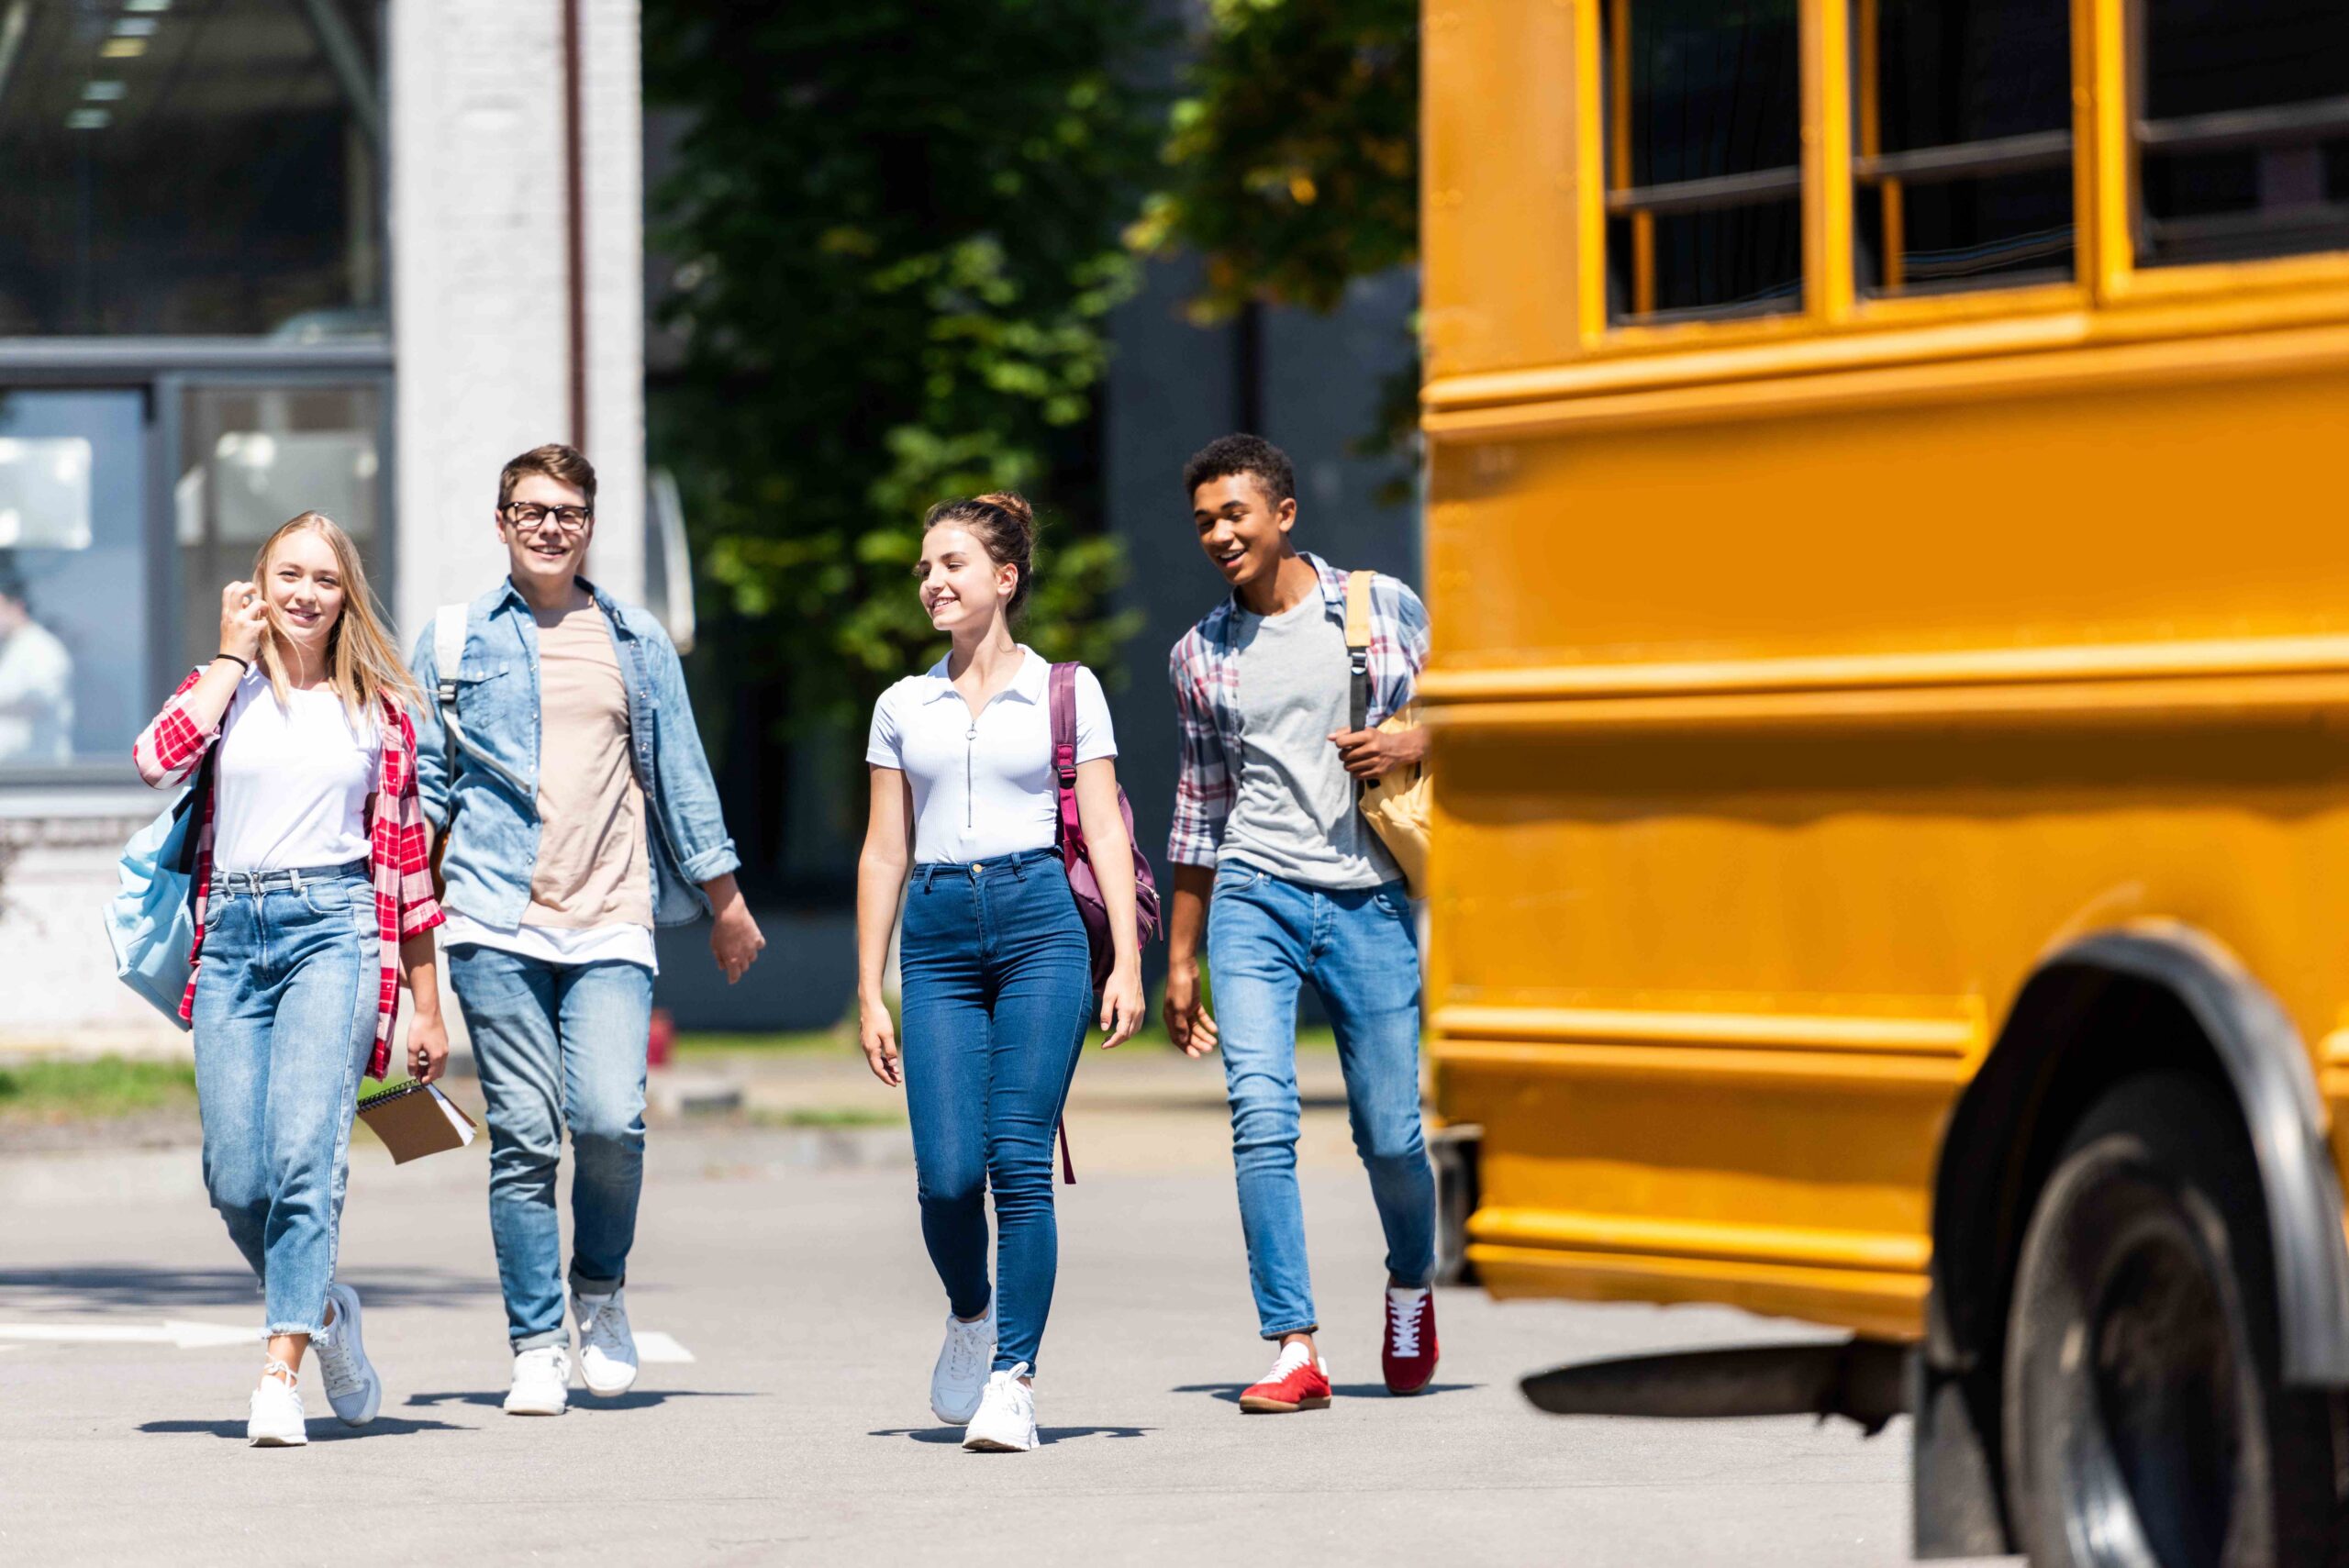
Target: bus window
[[1962, 126], [1704, 154], [2243, 129]]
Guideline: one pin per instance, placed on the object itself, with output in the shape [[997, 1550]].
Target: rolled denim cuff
[[582, 1285], [712, 863]]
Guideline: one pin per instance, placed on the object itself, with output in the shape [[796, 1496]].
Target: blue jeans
[[999, 989], [1361, 950], [285, 1022], [557, 1045]]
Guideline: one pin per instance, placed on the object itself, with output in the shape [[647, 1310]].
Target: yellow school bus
[[1886, 550]]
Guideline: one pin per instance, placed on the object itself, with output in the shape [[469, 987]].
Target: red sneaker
[[1408, 1359], [1297, 1382]]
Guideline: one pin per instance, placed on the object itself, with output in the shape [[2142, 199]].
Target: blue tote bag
[[150, 919]]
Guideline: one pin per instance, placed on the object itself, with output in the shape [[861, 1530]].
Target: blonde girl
[[313, 905]]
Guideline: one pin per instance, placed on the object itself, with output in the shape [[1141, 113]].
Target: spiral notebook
[[415, 1119]]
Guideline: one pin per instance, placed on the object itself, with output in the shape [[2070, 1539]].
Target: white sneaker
[[352, 1387], [1006, 1420], [607, 1347], [275, 1418], [960, 1378], [541, 1381]]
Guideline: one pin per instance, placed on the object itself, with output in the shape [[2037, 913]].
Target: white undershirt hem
[[621, 942]]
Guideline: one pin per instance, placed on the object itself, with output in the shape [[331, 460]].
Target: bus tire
[[2146, 1423]]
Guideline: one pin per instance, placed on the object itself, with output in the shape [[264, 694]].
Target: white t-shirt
[[618, 942], [292, 782], [983, 787]]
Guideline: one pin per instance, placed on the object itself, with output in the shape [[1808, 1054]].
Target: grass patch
[[109, 1087], [704, 1047], [689, 1047], [828, 1116]]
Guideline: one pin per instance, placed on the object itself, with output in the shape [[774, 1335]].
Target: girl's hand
[[244, 620], [428, 1048], [878, 1036], [1121, 1003]]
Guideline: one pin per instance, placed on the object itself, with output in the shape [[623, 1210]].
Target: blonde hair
[[364, 664]]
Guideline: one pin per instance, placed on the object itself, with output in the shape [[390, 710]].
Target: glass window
[[74, 611], [2243, 129], [252, 456], [1963, 131], [191, 167], [1704, 159]]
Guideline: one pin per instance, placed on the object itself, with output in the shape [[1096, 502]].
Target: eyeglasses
[[530, 515]]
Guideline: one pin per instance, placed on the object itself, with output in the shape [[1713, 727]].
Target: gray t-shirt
[[1296, 815]]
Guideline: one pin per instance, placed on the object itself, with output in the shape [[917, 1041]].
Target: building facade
[[258, 258]]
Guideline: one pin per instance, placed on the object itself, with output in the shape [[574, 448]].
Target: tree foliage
[[896, 226], [1292, 157]]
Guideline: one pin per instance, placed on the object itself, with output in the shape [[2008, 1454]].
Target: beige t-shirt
[[592, 869]]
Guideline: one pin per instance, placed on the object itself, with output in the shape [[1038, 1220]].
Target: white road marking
[[170, 1331], [651, 1345]]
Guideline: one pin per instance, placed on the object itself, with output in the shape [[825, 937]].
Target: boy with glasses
[[1266, 828], [576, 811]]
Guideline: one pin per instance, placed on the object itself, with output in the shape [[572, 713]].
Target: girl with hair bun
[[997, 971]]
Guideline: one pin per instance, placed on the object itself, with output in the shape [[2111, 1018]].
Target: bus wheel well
[[2103, 1009]]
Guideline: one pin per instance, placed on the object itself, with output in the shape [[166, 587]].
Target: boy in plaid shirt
[[1266, 829]]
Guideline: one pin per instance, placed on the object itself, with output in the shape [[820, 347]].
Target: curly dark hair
[[1243, 453]]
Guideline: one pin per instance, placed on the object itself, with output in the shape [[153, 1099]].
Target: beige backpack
[[1396, 804]]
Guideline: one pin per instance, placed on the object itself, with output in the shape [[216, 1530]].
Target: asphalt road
[[798, 1431]]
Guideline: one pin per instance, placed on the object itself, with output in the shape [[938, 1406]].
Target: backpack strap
[[1063, 692], [1063, 704], [1358, 647], [448, 652], [450, 624]]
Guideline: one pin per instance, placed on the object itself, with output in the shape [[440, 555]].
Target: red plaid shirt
[[167, 751]]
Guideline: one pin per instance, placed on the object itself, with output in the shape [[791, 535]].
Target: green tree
[[896, 226], [1292, 161]]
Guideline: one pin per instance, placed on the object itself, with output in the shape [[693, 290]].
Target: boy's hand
[[734, 936], [1374, 753], [1187, 1022]]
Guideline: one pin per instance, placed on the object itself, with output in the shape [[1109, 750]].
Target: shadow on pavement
[[1230, 1392], [335, 1432], [634, 1399], [115, 1285], [943, 1436]]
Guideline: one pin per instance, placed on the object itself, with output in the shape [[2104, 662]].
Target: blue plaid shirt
[[1205, 670]]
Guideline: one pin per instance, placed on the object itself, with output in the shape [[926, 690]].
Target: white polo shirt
[[983, 787]]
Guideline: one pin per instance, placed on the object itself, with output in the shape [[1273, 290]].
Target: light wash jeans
[[1360, 948], [557, 1045], [284, 1022], [999, 989]]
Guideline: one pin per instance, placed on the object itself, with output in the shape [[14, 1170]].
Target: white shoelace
[[285, 1374], [1005, 1387], [1403, 1317], [602, 1328], [1293, 1355], [968, 1345], [336, 1366]]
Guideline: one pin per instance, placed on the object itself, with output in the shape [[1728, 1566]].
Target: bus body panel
[[1775, 749]]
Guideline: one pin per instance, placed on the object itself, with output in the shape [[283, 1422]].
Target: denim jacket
[[489, 863]]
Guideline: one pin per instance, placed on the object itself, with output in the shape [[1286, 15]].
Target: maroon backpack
[[1073, 853]]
